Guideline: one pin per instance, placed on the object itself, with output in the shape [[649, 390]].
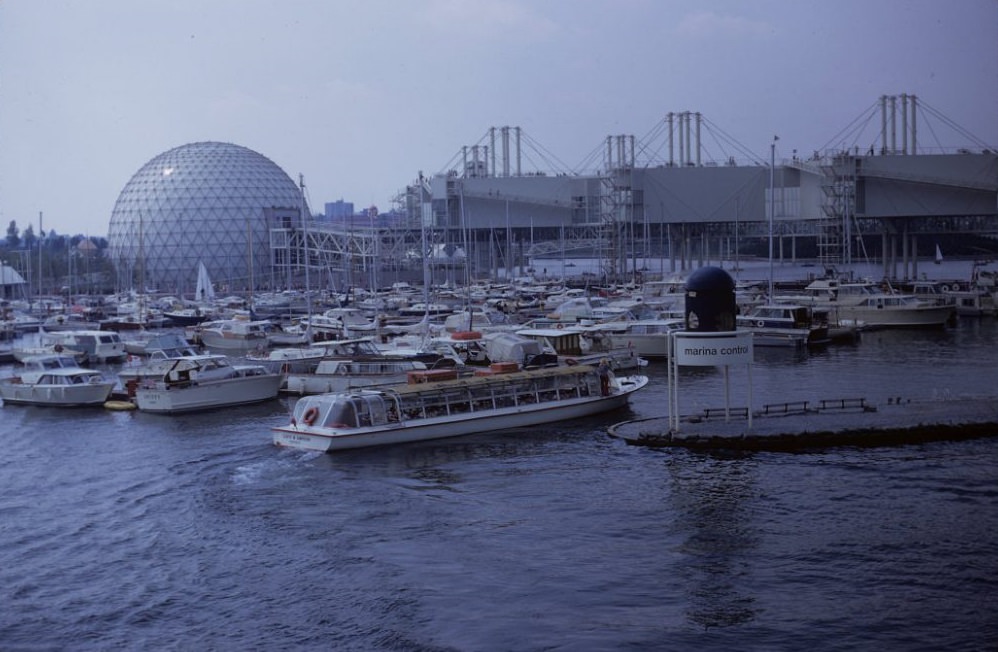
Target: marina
[[194, 528], [221, 538]]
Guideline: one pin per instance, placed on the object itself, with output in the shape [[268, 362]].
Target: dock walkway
[[810, 425]]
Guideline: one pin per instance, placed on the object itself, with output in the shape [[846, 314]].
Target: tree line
[[60, 260]]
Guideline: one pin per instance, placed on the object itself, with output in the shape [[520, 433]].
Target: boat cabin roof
[[51, 362]]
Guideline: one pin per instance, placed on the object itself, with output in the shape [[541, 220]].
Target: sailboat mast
[[426, 254], [249, 257], [40, 290], [142, 267], [772, 208], [304, 225]]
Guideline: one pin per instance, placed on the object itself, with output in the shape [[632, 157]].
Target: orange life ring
[[310, 415]]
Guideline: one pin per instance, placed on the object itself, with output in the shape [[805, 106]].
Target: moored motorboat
[[785, 325], [55, 380], [432, 410], [24, 353], [203, 382], [338, 375], [648, 338], [187, 316], [582, 345], [68, 322], [866, 304], [98, 345], [160, 345], [236, 334]]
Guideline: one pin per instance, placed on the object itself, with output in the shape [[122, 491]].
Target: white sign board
[[713, 349]]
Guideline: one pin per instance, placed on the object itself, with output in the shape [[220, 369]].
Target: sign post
[[708, 349]]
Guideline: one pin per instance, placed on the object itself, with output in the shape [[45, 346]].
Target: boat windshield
[[57, 363], [357, 410]]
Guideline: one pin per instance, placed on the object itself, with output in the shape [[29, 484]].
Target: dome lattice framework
[[202, 202]]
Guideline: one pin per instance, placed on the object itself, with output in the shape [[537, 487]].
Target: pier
[[803, 426]]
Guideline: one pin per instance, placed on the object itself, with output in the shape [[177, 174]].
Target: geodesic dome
[[203, 202]]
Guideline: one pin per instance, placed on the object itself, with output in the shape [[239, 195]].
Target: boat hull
[[185, 318], [873, 318], [208, 395], [323, 384], [233, 344], [651, 345], [521, 416], [55, 396]]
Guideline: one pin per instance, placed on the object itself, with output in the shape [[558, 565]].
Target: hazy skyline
[[359, 97]]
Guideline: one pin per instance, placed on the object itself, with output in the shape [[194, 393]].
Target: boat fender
[[310, 416]]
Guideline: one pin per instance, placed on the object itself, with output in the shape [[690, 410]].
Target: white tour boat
[[420, 411], [203, 382], [56, 380]]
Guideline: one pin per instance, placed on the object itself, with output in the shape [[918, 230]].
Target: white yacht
[[56, 381], [239, 335], [864, 304], [203, 382]]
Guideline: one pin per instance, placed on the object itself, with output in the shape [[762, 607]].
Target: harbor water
[[131, 531]]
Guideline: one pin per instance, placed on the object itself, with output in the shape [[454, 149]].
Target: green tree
[[28, 237], [13, 239]]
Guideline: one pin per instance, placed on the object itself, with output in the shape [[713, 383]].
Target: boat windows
[[341, 413], [359, 410]]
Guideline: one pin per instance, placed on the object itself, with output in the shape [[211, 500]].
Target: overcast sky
[[359, 97]]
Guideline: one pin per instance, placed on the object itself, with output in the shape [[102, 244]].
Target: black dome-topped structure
[[202, 202], [710, 301]]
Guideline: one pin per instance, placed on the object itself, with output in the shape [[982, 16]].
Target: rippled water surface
[[133, 531]]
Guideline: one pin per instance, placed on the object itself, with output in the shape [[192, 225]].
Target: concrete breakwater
[[809, 425]]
